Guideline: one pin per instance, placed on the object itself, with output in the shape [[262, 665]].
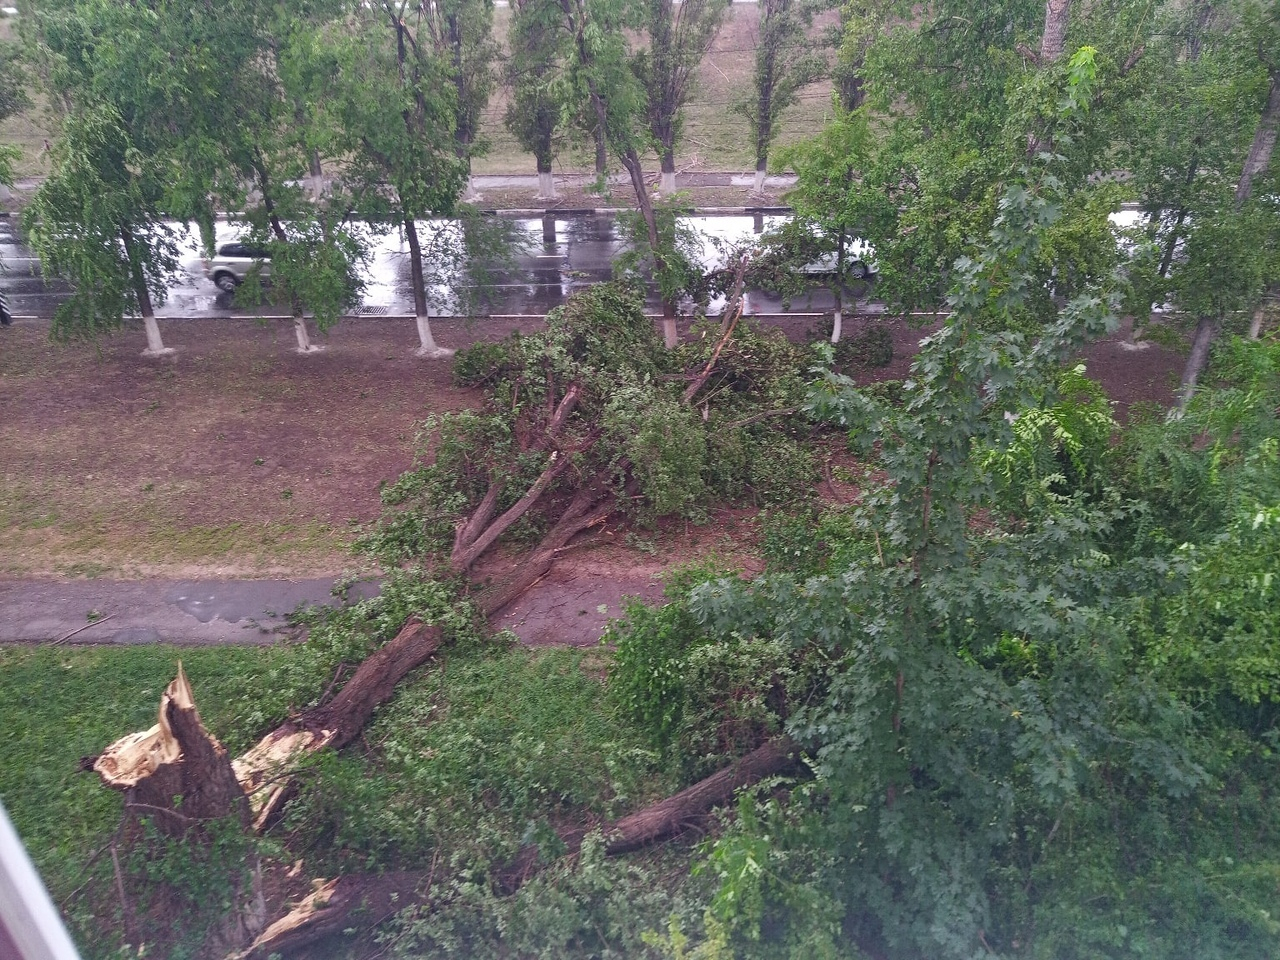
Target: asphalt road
[[557, 254]]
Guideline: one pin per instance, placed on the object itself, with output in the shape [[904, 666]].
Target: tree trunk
[[155, 345], [368, 900], [668, 182], [602, 150], [262, 771], [427, 346], [179, 777], [1206, 330], [631, 160], [546, 185], [1054, 38], [1264, 143], [463, 559], [1256, 161], [587, 509], [762, 167], [1260, 314]]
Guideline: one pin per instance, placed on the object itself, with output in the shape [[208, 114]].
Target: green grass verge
[[58, 704], [493, 749]]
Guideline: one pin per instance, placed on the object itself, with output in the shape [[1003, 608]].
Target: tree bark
[[1264, 143], [427, 346], [1206, 330], [263, 770], [155, 345], [1256, 161], [668, 165], [588, 508], [1054, 38], [181, 779], [762, 167], [480, 517], [631, 160], [462, 560], [373, 899]]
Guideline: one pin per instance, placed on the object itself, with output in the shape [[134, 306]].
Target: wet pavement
[[555, 254]]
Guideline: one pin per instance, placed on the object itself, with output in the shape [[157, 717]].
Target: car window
[[244, 250]]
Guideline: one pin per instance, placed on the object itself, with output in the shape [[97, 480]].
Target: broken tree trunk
[[179, 776], [177, 758], [1256, 161], [263, 771], [336, 904]]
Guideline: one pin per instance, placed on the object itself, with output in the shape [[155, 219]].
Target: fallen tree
[[332, 906], [590, 419]]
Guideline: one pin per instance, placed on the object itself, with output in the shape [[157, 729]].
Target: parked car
[[233, 261]]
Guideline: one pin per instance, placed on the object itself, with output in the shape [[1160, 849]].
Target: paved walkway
[[566, 608], [191, 612]]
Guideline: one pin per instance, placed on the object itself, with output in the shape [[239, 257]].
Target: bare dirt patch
[[235, 457], [239, 458]]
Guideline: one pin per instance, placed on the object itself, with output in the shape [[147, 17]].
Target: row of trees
[[1182, 121], [169, 114]]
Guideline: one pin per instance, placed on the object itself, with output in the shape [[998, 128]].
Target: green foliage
[[630, 431], [1058, 448], [988, 688], [666, 444], [703, 698], [870, 347], [590, 906], [485, 364], [474, 760]]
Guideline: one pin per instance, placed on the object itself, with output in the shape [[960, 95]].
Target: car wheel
[[226, 282], [858, 270]]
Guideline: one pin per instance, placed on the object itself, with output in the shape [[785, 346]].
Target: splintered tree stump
[[178, 776], [177, 758]]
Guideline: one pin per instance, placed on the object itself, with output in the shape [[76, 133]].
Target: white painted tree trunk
[[1260, 315], [758, 187], [429, 349], [155, 345], [304, 340], [837, 326], [546, 186], [670, 335], [469, 195], [668, 183]]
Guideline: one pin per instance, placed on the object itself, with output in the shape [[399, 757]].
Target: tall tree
[[534, 72], [785, 63], [257, 165], [1198, 140], [462, 30], [393, 98], [13, 99], [679, 38], [97, 220], [100, 218]]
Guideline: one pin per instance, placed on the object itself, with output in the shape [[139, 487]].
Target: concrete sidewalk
[[189, 612]]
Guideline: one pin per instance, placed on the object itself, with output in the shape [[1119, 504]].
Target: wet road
[[556, 254]]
